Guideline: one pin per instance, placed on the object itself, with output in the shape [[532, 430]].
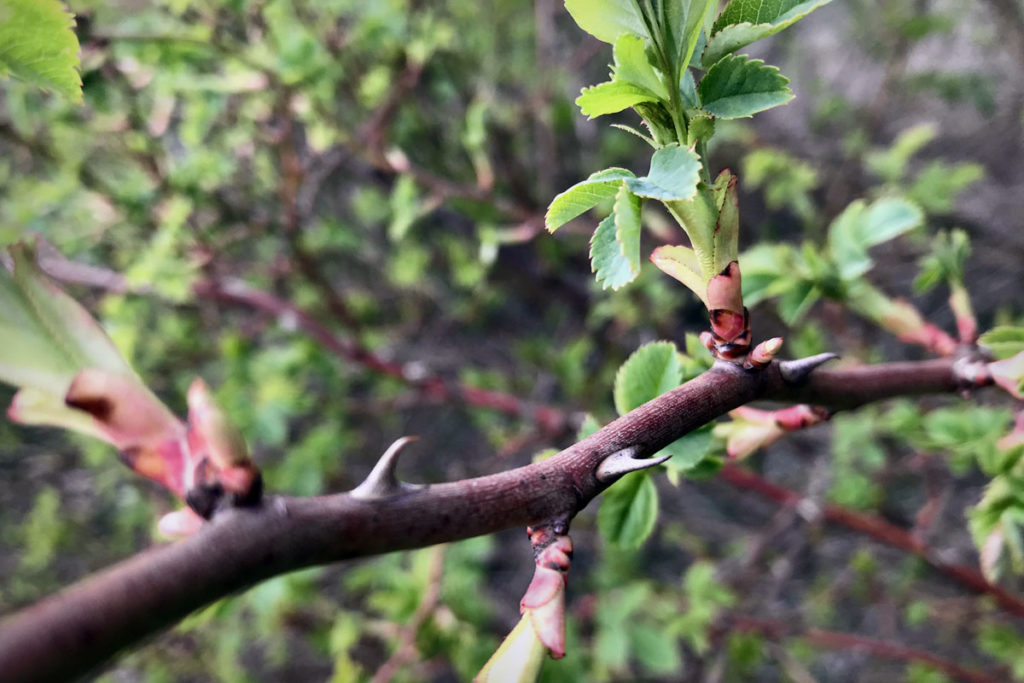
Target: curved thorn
[[623, 462], [796, 371], [382, 482]]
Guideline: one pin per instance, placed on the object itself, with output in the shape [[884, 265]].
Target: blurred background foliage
[[384, 167]]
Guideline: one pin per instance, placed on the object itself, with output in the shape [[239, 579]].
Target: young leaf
[[1004, 342], [736, 87], [584, 196], [727, 227], [629, 510], [612, 97], [674, 174], [627, 227], [648, 373], [862, 226], [607, 261], [682, 264], [688, 451], [631, 66], [38, 46], [606, 20], [744, 21]]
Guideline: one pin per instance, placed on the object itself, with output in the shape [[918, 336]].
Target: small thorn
[[796, 371], [381, 482], [623, 462]]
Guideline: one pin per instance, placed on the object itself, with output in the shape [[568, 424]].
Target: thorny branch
[[70, 633]]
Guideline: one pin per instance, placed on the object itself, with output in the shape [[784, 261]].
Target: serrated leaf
[[38, 45], [861, 226], [584, 196], [682, 264], [606, 20], [649, 372], [744, 21], [612, 97], [607, 261], [737, 87], [628, 511], [1004, 342], [674, 174], [631, 66], [627, 227]]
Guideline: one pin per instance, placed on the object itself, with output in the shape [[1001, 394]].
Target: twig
[[835, 640], [880, 530]]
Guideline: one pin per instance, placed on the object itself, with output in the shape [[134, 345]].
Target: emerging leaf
[[1004, 342], [737, 87], [584, 196], [744, 21], [38, 46], [682, 264]]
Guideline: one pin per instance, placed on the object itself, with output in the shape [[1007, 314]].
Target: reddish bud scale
[[544, 600]]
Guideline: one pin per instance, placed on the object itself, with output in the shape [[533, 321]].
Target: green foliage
[[1004, 342], [651, 370], [745, 21], [737, 87], [38, 46], [628, 511]]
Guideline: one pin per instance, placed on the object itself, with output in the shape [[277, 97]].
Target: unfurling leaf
[[70, 375], [38, 46], [631, 66], [737, 87], [682, 264], [1004, 342], [861, 226]]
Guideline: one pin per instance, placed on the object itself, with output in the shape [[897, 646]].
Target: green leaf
[[627, 227], [584, 196], [797, 300], [612, 97], [649, 372], [607, 261], [628, 511], [744, 21], [737, 87], [767, 272], [38, 46], [689, 451], [674, 174], [47, 336], [655, 649], [1004, 342], [632, 66], [606, 20], [862, 226]]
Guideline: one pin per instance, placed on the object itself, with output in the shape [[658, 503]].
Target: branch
[[75, 631], [835, 640], [883, 532]]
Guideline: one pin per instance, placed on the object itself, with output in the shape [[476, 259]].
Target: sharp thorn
[[381, 482], [796, 371], [623, 462]]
